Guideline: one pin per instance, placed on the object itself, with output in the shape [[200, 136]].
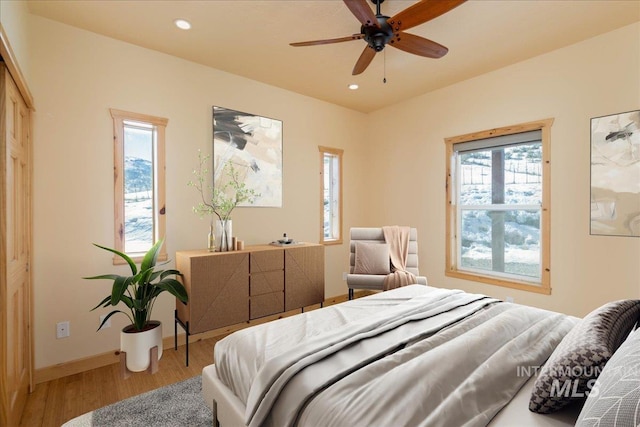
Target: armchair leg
[[350, 294]]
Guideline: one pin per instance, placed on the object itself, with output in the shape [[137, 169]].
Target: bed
[[416, 355]]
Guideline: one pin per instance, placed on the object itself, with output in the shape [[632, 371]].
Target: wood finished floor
[[55, 402]]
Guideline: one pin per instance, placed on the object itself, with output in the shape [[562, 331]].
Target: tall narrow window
[[331, 195], [498, 206], [139, 182]]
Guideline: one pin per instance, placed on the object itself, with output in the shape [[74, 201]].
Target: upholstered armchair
[[370, 266]]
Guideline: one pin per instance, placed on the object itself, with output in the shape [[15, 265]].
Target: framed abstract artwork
[[615, 174], [253, 145]]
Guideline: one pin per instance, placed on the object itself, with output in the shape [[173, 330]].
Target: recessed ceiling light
[[353, 86], [182, 24]]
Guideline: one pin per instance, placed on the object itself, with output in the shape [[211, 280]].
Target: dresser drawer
[[265, 283], [266, 304], [266, 261]]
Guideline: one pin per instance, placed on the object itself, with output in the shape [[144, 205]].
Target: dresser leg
[[185, 326]]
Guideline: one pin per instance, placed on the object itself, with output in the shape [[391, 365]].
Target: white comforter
[[444, 358], [239, 356]]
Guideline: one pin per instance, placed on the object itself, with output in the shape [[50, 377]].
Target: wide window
[[331, 195], [139, 182], [498, 206]]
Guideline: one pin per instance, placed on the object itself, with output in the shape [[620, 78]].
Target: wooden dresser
[[227, 288]]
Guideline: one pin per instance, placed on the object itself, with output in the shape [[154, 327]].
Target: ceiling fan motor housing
[[377, 38]]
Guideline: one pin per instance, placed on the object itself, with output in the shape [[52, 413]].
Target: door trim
[[11, 62]]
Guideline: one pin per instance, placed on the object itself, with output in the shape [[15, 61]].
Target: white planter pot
[[138, 344]]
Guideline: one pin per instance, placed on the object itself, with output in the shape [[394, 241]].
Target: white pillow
[[613, 400], [372, 258]]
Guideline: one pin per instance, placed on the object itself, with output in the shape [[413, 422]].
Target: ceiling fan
[[379, 30]]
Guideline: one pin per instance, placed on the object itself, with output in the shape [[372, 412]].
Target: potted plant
[[138, 292], [220, 200]]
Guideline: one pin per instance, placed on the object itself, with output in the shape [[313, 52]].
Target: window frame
[[451, 235], [159, 125], [337, 153]]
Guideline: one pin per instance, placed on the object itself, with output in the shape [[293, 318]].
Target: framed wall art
[[615, 174], [253, 144]]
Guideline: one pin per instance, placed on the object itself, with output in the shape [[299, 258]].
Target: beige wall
[[75, 76], [597, 77]]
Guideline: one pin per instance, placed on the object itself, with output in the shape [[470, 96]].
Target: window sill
[[331, 242], [522, 286], [137, 259]]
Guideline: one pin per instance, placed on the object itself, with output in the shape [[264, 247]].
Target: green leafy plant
[[139, 291], [220, 200]]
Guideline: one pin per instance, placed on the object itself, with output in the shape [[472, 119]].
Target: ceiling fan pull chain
[[384, 61]]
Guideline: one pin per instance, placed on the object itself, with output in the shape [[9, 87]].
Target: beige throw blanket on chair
[[398, 239]]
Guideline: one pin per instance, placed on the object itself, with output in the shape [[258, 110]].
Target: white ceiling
[[251, 38]]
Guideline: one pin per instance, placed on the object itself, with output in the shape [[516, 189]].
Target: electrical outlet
[[62, 329], [344, 275], [107, 324], [509, 299]]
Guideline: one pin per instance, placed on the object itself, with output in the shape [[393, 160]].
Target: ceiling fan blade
[[329, 41], [418, 45], [421, 12], [363, 62], [363, 12]]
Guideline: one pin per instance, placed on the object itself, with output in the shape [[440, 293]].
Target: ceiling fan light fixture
[[353, 86], [183, 24], [378, 42]]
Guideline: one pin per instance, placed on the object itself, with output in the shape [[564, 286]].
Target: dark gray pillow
[[615, 398], [581, 355]]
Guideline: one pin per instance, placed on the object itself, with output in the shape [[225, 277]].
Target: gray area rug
[[175, 405]]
